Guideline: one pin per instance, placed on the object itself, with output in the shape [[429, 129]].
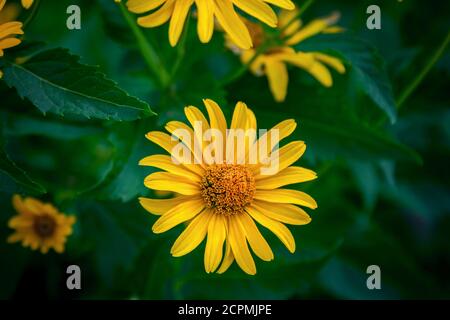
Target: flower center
[[228, 188], [44, 226]]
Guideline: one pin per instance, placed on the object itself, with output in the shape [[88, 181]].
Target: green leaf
[[55, 81], [15, 180], [366, 65]]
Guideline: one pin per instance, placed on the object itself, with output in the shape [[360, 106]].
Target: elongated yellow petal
[[159, 17], [284, 4], [166, 181], [192, 236], [331, 61], [166, 163], [287, 176], [286, 196], [259, 10], [232, 24], [285, 213], [179, 214], [141, 6], [9, 43], [308, 62], [278, 229], [166, 142], [227, 260], [205, 24], [10, 28], [257, 242], [277, 75], [178, 19], [161, 206], [239, 246], [214, 244], [27, 3]]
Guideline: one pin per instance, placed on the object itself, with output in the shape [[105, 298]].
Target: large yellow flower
[[278, 52], [208, 10], [39, 225], [221, 200], [8, 31]]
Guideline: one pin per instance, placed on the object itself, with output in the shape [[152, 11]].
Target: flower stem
[[417, 80], [148, 52]]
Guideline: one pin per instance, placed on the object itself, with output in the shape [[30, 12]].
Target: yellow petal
[[192, 236], [161, 206], [141, 6], [178, 214], [278, 229], [285, 213], [179, 15], [287, 176], [159, 17], [277, 75], [259, 10], [239, 246], [331, 61], [27, 3], [227, 260], [232, 24], [166, 181], [284, 4], [286, 196], [214, 243], [166, 163], [257, 242], [205, 24]]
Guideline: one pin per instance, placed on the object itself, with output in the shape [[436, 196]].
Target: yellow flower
[[27, 3], [277, 53], [221, 200], [7, 32], [208, 10], [39, 225]]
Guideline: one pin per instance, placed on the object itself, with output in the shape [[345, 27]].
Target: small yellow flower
[[277, 53], [39, 225], [208, 10], [7, 32], [27, 3], [221, 200]]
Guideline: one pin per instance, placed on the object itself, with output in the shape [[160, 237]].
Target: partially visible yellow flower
[[8, 31], [27, 3], [221, 200], [39, 225], [208, 10], [278, 52]]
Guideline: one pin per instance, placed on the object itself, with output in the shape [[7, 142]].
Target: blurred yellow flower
[[221, 200], [8, 31], [277, 53], [39, 225], [208, 10]]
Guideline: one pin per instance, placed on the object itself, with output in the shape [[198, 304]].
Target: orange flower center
[[228, 188], [44, 226]]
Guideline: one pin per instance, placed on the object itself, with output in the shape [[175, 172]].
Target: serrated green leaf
[[55, 81]]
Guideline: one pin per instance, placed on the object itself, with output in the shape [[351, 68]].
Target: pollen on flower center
[[44, 226], [228, 188]]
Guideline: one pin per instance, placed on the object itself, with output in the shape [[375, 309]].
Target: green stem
[[148, 52], [417, 80], [32, 14], [181, 50]]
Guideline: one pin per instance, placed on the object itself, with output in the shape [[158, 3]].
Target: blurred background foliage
[[382, 191]]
